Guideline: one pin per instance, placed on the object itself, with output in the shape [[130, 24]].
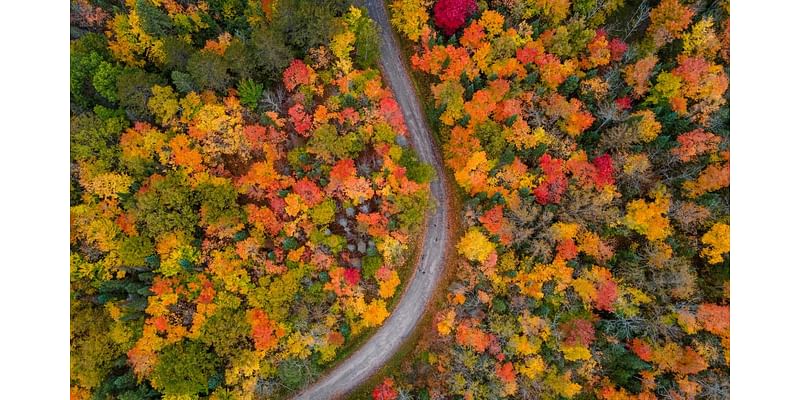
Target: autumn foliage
[[450, 15], [230, 240], [595, 167]]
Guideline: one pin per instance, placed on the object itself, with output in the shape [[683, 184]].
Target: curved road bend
[[376, 352]]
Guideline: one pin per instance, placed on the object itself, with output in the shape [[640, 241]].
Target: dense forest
[[245, 206], [589, 140], [243, 198]]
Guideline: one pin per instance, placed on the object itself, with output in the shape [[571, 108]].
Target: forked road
[[401, 323]]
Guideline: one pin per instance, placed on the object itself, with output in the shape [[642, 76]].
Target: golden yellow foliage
[[648, 127], [574, 353], [492, 21], [374, 313], [650, 219], [701, 40], [341, 46], [564, 231], [109, 185], [410, 17], [445, 325], [129, 42], [387, 287], [522, 346], [298, 345], [717, 242], [533, 367], [636, 164], [562, 384], [163, 104], [475, 246], [295, 204]]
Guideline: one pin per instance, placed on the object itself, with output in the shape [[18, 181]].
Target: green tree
[[241, 63], [412, 208], [185, 368], [218, 204], [153, 19], [92, 352], [227, 331], [329, 146], [86, 55], [415, 170], [208, 71], [292, 373], [170, 205], [177, 53], [268, 53], [105, 80], [135, 250], [250, 93], [134, 88], [366, 45], [95, 139], [306, 24]]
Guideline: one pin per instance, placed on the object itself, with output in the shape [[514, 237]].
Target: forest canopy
[[589, 141], [243, 197], [245, 205]]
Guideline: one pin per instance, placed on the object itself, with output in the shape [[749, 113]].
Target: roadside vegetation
[[244, 202], [590, 139]]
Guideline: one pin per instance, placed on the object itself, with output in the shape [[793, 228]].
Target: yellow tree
[[717, 241], [410, 17], [475, 246], [650, 219]]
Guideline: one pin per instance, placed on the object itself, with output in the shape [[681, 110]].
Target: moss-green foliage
[[371, 264], [383, 133], [177, 53], [218, 204], [92, 352], [134, 89], [415, 170], [276, 296], [327, 144], [185, 368], [366, 46], [86, 56], [125, 387], [134, 251], [413, 208], [292, 373], [93, 138], [170, 205], [227, 331], [623, 367], [323, 213], [267, 52], [492, 138], [105, 80], [208, 71], [306, 24], [154, 20]]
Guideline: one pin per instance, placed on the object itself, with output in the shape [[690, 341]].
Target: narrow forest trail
[[377, 351]]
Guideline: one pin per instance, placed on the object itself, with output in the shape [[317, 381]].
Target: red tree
[[296, 74], [450, 15], [385, 391]]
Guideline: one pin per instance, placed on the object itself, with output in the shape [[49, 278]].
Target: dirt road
[[401, 323]]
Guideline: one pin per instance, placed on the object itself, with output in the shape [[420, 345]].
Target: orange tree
[[233, 229], [591, 142]]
